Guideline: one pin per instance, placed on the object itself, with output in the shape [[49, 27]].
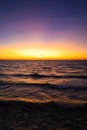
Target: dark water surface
[[43, 81]]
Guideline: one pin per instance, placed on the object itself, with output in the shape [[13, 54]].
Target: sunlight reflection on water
[[42, 81]]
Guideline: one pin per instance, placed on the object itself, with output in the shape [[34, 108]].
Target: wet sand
[[19, 115]]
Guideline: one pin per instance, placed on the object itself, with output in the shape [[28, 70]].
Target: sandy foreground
[[19, 115]]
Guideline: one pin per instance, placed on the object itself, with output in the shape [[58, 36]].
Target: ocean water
[[44, 81]]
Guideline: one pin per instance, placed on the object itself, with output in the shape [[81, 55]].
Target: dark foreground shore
[[18, 115]]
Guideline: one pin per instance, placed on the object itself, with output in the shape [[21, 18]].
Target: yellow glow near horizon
[[40, 51], [36, 54]]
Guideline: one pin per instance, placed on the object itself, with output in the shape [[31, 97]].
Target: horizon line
[[42, 59]]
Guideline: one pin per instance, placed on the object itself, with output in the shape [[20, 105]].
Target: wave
[[56, 76], [4, 85], [37, 76], [1, 75]]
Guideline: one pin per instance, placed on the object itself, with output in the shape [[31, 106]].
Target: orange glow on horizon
[[40, 55], [41, 51]]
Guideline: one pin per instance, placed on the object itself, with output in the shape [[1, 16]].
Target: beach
[[18, 115]]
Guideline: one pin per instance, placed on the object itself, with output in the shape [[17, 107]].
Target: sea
[[60, 81]]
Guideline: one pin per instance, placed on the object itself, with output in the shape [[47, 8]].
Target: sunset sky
[[43, 29]]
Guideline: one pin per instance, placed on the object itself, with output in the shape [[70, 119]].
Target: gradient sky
[[43, 29]]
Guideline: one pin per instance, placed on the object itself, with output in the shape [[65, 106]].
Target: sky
[[43, 29]]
